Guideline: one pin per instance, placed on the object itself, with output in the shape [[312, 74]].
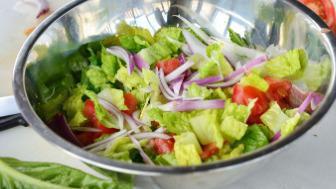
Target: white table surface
[[309, 163]]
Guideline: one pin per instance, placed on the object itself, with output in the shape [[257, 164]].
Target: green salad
[[179, 97]]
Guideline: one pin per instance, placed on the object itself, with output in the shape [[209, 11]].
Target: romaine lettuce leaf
[[253, 139], [232, 129], [254, 80], [96, 77], [109, 65], [124, 29], [187, 149], [290, 124], [166, 159], [208, 69], [172, 36], [74, 106], [206, 127], [214, 52], [119, 149], [158, 51], [133, 43], [195, 90], [289, 65], [152, 80], [274, 118], [236, 152], [129, 81], [114, 96], [236, 38], [237, 111], [174, 122]]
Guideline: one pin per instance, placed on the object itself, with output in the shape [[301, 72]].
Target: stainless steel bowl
[[285, 23]]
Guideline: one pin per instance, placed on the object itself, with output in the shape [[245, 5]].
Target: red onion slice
[[150, 135], [204, 81], [122, 54], [316, 100], [135, 117], [194, 44], [42, 6], [247, 67], [165, 90], [142, 153], [276, 136], [177, 84], [226, 83], [186, 49], [112, 109], [102, 144], [305, 103], [131, 123], [178, 71], [181, 58], [140, 63], [184, 105]]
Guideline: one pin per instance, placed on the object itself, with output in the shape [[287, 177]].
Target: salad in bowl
[[179, 97]]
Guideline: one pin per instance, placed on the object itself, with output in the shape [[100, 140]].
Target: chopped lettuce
[[289, 65], [102, 114], [206, 127], [133, 43], [166, 159], [237, 111], [174, 122], [195, 90], [124, 29], [172, 36], [109, 65], [218, 93], [290, 124], [207, 69], [74, 106], [292, 112], [232, 129], [254, 80], [114, 96], [129, 81], [214, 52], [236, 152], [239, 40], [187, 149], [253, 139], [119, 149], [274, 117], [156, 52], [152, 80], [96, 77]]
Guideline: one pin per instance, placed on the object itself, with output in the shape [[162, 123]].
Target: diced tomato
[[89, 112], [325, 9], [209, 150], [162, 146], [279, 91], [243, 95], [86, 138], [131, 103], [168, 65]]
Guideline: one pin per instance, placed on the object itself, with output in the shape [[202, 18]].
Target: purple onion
[[194, 44], [122, 54], [178, 71], [317, 99], [204, 81], [176, 84], [226, 83], [181, 58], [276, 136], [188, 105], [305, 103], [140, 62], [114, 110]]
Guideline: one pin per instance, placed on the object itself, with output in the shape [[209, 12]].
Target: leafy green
[[254, 80], [74, 106], [290, 124], [237, 111], [119, 149], [214, 52], [129, 81], [187, 149], [96, 77], [289, 65], [174, 122], [158, 51], [166, 159], [133, 43], [109, 65], [124, 29], [233, 129], [172, 36], [253, 139], [239, 40], [114, 96], [152, 80], [236, 152], [274, 117], [209, 68], [195, 90], [206, 127], [39, 175]]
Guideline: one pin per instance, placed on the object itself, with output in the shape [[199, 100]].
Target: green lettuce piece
[[74, 106], [206, 127], [214, 52], [289, 126], [174, 122], [133, 43], [96, 77], [316, 74], [119, 149], [236, 152], [289, 65], [172, 36], [158, 51], [114, 96], [40, 175], [109, 65], [239, 40], [237, 111], [129, 81], [208, 69], [233, 129], [124, 29], [218, 93], [187, 149], [152, 80], [254, 80], [166, 159], [253, 139], [274, 117], [292, 112], [102, 114], [195, 90]]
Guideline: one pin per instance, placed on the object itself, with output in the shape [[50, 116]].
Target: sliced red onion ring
[[149, 135], [87, 129], [135, 116], [165, 90], [225, 84], [194, 44], [204, 81], [178, 71], [305, 103], [131, 122], [276, 136], [102, 144], [181, 58], [140, 63], [317, 99], [184, 105], [176, 84], [247, 67], [198, 31], [142, 153], [186, 49], [112, 109], [122, 54], [296, 96], [42, 6]]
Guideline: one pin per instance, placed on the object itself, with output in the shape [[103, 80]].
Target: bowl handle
[[9, 114]]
